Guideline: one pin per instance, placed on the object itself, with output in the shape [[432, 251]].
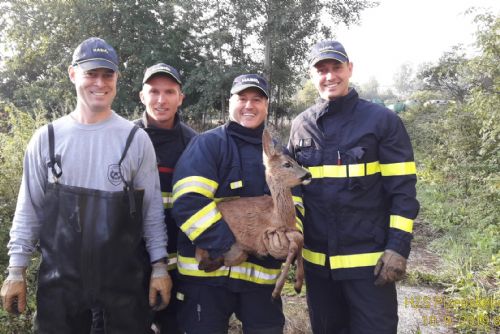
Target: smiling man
[[360, 205], [80, 203], [219, 164], [162, 96]]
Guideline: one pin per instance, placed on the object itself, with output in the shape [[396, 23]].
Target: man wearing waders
[[90, 200]]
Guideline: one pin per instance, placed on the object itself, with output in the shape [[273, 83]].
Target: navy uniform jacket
[[219, 164], [362, 197], [169, 145]]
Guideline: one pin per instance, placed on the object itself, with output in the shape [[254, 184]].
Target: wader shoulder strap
[[129, 188], [55, 160], [127, 144]]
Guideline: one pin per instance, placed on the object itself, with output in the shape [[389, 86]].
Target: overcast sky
[[414, 31]]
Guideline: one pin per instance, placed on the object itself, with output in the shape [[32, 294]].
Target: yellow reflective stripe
[[401, 223], [172, 261], [342, 261], [189, 266], [299, 204], [339, 171], [297, 200], [301, 210], [236, 184], [372, 168], [354, 261], [201, 220], [254, 273], [319, 172], [358, 170], [246, 271], [299, 224], [398, 168], [196, 184], [167, 200], [313, 257]]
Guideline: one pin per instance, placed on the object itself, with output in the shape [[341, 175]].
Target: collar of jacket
[[344, 104], [253, 136], [145, 123], [159, 135]]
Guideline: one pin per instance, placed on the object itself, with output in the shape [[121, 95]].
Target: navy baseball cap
[[95, 53], [162, 68], [328, 49], [245, 81]]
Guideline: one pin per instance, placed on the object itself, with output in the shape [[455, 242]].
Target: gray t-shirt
[[89, 157]]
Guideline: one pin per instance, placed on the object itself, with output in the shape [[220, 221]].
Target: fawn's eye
[[287, 165]]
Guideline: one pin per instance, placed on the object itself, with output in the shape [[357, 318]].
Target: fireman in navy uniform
[[222, 163], [360, 205], [162, 96]]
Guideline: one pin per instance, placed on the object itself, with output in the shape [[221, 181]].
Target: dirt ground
[[421, 307]]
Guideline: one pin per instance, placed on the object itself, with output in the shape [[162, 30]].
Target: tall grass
[[458, 191]]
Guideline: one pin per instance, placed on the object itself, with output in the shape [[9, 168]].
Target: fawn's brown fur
[[256, 220]]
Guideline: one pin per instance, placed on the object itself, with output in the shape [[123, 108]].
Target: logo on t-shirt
[[115, 174]]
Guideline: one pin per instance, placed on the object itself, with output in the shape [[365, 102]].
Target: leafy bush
[[16, 128], [457, 156]]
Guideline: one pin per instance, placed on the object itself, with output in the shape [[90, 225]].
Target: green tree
[[369, 89], [307, 95], [405, 81], [210, 41], [287, 29], [40, 36], [449, 75], [266, 36], [457, 153], [217, 38]]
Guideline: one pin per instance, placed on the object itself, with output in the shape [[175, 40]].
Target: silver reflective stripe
[[200, 221], [195, 184]]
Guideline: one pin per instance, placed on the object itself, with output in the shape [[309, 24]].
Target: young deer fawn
[[261, 223]]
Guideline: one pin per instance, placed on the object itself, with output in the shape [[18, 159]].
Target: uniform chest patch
[[114, 174]]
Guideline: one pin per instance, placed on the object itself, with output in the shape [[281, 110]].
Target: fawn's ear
[[267, 144]]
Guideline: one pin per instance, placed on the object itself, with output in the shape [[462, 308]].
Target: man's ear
[[72, 73], [141, 96], [181, 99]]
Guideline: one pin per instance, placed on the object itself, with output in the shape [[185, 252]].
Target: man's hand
[[14, 290], [390, 268], [160, 285], [277, 243]]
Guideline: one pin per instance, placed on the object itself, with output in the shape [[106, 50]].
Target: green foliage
[[449, 75], [457, 155], [369, 89], [16, 128], [419, 278], [305, 97], [210, 41], [41, 36], [404, 81]]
